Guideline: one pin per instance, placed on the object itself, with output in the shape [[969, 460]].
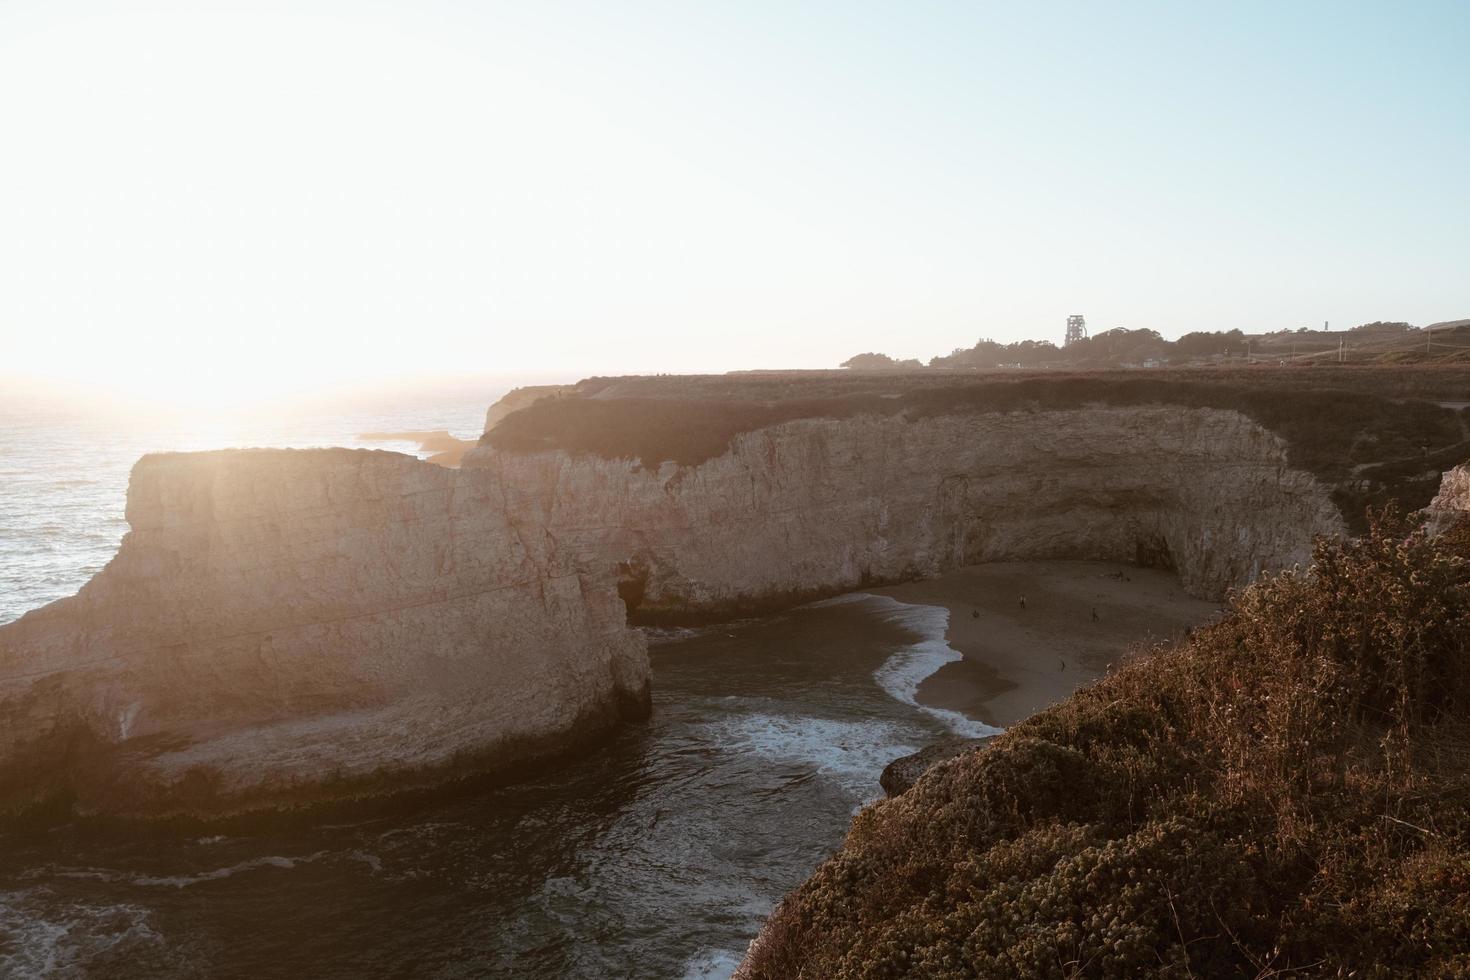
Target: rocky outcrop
[[284, 625], [900, 774], [813, 507], [1451, 506], [301, 625]]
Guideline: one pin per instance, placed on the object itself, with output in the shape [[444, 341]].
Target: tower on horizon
[[1076, 330]]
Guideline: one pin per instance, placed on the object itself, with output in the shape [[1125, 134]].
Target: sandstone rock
[[1452, 504], [814, 507], [277, 621]]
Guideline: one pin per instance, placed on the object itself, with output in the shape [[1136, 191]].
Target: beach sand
[[1020, 660]]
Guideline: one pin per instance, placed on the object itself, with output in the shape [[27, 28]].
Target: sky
[[219, 201]]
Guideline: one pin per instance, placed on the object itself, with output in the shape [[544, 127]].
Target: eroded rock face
[[1451, 505], [300, 625], [279, 619], [818, 506]]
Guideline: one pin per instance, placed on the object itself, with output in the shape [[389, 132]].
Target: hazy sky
[[204, 198]]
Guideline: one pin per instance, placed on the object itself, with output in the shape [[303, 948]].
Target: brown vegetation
[[1285, 793]]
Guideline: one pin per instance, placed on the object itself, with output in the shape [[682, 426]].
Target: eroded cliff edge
[[815, 506], [284, 626], [288, 625]]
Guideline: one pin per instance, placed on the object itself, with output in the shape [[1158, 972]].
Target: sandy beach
[[1077, 619]]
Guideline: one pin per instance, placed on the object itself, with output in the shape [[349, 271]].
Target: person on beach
[[1023, 602], [1094, 614]]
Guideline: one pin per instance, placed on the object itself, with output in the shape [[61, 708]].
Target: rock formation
[[901, 774], [817, 506], [1451, 505], [278, 620], [301, 625]]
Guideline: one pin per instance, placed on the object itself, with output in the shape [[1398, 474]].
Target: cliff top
[[1341, 426], [1425, 382]]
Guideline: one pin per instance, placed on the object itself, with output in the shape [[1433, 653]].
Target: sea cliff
[[287, 625], [297, 626], [811, 507]]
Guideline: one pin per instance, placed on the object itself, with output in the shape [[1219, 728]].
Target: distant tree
[[985, 354], [1384, 326], [870, 362], [1204, 344]]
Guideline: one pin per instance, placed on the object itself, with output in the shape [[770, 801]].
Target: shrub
[[1284, 792]]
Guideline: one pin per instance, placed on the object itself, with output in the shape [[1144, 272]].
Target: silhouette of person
[[1023, 602]]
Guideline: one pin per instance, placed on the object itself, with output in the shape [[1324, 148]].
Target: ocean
[[657, 856]]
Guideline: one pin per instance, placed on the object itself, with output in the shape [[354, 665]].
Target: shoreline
[[1018, 660]]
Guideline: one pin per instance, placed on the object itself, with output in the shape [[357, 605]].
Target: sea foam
[[713, 964], [850, 753], [901, 674]]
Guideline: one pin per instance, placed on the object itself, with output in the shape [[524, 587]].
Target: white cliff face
[[279, 618], [1452, 504], [813, 507], [285, 625]]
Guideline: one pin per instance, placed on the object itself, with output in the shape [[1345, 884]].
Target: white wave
[[712, 964], [183, 881], [43, 937], [371, 860], [852, 753], [176, 881], [901, 674]]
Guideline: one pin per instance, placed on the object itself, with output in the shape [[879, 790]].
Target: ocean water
[[659, 855]]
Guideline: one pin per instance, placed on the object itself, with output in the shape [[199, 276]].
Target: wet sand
[[1020, 660]]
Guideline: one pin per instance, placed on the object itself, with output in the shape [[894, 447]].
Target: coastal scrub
[[1286, 792]]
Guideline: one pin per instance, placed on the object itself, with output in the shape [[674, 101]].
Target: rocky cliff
[[816, 506], [1451, 506], [301, 625], [294, 624]]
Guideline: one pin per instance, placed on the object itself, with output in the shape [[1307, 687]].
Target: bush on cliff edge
[[1287, 792]]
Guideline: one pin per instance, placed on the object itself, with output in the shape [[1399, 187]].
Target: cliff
[[283, 625], [815, 506], [523, 397], [306, 625]]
